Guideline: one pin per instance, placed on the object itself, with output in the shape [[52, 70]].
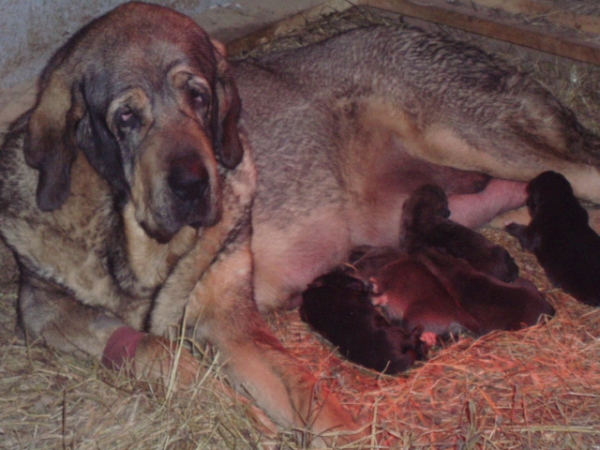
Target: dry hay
[[536, 388]]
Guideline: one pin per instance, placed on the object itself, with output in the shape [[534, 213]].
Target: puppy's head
[[425, 206], [550, 193], [148, 97]]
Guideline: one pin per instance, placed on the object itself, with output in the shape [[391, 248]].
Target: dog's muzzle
[[190, 185]]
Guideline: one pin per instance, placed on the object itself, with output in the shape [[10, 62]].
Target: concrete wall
[[30, 30]]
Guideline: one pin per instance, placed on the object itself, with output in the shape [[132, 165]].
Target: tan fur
[[151, 261], [364, 119], [138, 192], [97, 183]]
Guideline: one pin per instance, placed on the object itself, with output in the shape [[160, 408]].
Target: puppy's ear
[[50, 139], [226, 112]]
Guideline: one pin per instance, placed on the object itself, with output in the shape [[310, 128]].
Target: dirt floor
[[536, 388]]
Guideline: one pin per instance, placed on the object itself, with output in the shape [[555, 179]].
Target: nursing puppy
[[494, 304], [560, 237], [425, 223], [410, 294], [338, 307]]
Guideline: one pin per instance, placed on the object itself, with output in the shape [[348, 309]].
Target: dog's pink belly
[[287, 259]]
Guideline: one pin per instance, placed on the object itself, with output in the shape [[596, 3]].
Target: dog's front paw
[[160, 360], [150, 358]]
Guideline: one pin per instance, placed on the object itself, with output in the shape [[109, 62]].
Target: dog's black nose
[[188, 178]]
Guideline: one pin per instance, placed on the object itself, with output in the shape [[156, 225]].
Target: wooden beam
[[450, 15], [298, 21], [537, 40], [549, 11]]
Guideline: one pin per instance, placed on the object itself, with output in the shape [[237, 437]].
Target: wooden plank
[[285, 26], [447, 15], [537, 40], [550, 12]]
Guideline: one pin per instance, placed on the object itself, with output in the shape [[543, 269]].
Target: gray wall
[[30, 30]]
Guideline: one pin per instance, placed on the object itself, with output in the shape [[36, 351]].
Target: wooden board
[[566, 33], [471, 19]]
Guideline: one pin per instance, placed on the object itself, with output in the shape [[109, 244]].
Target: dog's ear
[[50, 139], [97, 142], [226, 112]]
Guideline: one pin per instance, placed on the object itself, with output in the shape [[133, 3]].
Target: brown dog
[[127, 192], [494, 304], [409, 293], [344, 130], [425, 224], [125, 196]]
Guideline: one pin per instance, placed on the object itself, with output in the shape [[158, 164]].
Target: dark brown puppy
[[425, 223], [560, 237], [338, 306], [495, 305], [410, 294]]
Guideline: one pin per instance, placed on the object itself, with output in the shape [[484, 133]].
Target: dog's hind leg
[[506, 152]]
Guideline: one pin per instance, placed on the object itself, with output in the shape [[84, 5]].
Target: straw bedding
[[536, 388]]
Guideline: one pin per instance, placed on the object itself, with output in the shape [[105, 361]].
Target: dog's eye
[[200, 99], [126, 118]]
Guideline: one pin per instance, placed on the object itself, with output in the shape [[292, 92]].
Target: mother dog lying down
[[137, 189]]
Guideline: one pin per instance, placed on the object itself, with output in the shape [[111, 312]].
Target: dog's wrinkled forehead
[[142, 38]]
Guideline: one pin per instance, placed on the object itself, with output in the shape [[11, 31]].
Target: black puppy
[[425, 223], [560, 237], [338, 306], [495, 305]]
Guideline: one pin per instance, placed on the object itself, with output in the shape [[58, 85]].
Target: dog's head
[[148, 97]]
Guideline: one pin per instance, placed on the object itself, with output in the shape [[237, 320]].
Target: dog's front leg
[[49, 313], [220, 309]]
